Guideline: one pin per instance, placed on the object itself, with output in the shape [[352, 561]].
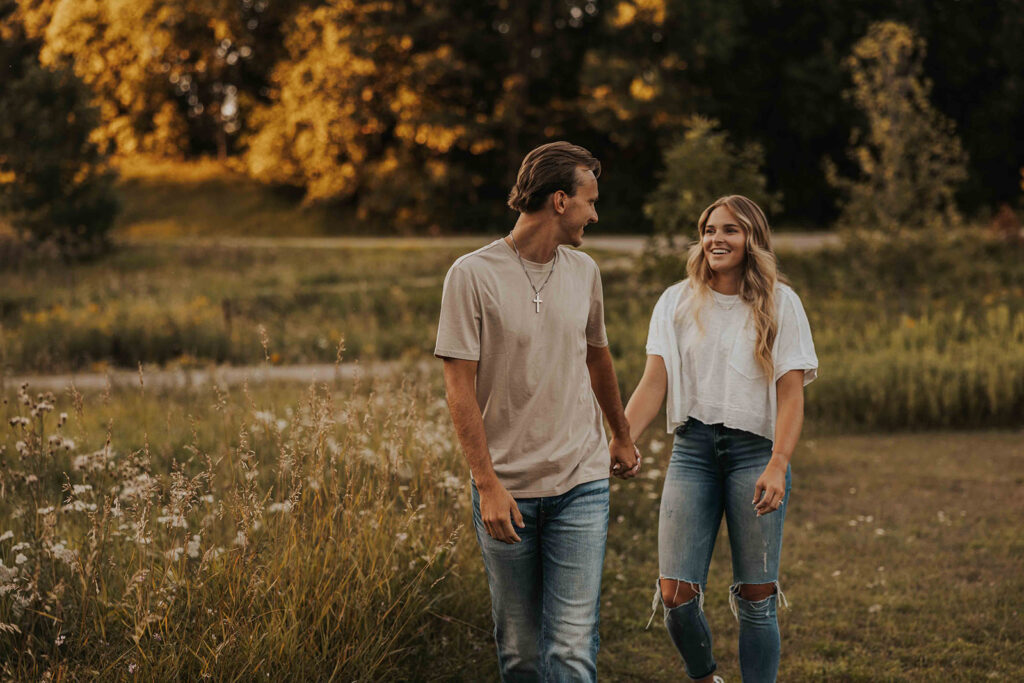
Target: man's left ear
[[561, 199]]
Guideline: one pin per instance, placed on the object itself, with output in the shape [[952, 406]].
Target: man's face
[[580, 210]]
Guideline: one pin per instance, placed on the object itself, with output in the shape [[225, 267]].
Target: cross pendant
[[538, 301]]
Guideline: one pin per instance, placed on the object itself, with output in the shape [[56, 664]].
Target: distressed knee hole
[[675, 593], [755, 592]]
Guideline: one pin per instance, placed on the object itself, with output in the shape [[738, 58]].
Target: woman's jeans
[[714, 469], [546, 589]]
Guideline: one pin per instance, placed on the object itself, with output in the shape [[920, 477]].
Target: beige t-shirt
[[543, 423]]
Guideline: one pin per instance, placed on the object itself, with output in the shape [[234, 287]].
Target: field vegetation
[[322, 531]]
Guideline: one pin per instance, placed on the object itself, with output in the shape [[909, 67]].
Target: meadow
[[322, 531]]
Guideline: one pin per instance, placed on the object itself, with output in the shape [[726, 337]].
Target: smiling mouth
[[720, 252]]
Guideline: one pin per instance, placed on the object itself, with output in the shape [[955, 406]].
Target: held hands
[[625, 458], [771, 483], [497, 510]]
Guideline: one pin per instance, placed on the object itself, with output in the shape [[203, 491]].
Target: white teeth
[[719, 251]]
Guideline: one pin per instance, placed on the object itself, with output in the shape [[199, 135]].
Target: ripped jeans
[[713, 469]]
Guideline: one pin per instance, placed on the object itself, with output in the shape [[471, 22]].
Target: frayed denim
[[712, 472]]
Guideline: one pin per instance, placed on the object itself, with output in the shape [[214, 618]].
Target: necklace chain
[[536, 291]]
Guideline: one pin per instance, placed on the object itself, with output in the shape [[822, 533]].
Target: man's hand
[[625, 458], [497, 510], [771, 483]]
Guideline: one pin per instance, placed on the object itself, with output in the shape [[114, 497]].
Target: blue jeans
[[545, 590], [712, 471]]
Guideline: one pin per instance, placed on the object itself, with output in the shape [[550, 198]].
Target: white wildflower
[[174, 554], [286, 506], [45, 510], [22, 448], [193, 546], [79, 489], [241, 539], [7, 534], [174, 521], [879, 532], [875, 608], [20, 559], [64, 554], [80, 506]]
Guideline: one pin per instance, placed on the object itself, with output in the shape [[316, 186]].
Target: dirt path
[[630, 244], [224, 376]]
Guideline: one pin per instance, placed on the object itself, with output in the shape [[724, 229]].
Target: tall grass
[[308, 538]]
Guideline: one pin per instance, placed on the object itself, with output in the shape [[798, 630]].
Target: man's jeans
[[545, 590]]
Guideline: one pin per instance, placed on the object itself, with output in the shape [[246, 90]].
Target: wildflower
[[241, 539], [79, 489], [656, 447], [7, 534], [879, 532], [875, 608], [174, 521], [193, 546], [286, 506], [20, 559], [174, 554], [132, 666], [22, 448], [64, 554], [45, 511], [59, 640]]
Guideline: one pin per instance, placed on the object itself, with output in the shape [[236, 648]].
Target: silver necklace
[[537, 301]]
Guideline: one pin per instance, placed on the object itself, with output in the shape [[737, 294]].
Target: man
[[528, 372]]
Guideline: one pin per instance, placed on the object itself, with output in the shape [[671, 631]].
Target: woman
[[732, 347]]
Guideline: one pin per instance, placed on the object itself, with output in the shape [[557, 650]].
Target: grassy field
[[316, 532], [325, 531]]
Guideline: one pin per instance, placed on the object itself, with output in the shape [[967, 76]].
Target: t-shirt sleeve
[[659, 338], [458, 331], [794, 347], [596, 334]]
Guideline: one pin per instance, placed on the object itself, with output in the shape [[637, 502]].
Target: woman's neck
[[726, 283]]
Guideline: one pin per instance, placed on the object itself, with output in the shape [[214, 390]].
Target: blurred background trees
[[412, 115], [55, 185]]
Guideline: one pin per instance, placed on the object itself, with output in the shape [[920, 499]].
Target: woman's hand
[[772, 484]]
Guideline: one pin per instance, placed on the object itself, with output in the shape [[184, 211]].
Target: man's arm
[[625, 460], [497, 506]]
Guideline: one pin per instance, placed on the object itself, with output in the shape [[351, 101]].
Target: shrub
[[908, 158], [701, 167]]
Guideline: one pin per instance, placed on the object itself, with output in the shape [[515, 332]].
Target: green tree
[[55, 184], [909, 159], [700, 167]]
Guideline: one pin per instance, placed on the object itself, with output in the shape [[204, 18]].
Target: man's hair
[[548, 169]]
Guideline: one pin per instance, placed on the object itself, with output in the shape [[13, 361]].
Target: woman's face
[[725, 241]]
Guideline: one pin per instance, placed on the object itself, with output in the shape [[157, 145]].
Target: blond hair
[[757, 283]]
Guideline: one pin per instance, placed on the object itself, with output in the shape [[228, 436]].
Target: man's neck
[[534, 238]]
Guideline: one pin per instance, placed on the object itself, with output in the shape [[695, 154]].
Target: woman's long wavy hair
[[760, 274]]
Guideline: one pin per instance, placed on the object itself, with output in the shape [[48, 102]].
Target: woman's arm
[[646, 400], [788, 423]]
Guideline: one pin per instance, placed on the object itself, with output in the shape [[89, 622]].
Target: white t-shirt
[[713, 375]]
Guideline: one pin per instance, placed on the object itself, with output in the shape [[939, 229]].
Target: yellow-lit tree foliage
[[365, 111]]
